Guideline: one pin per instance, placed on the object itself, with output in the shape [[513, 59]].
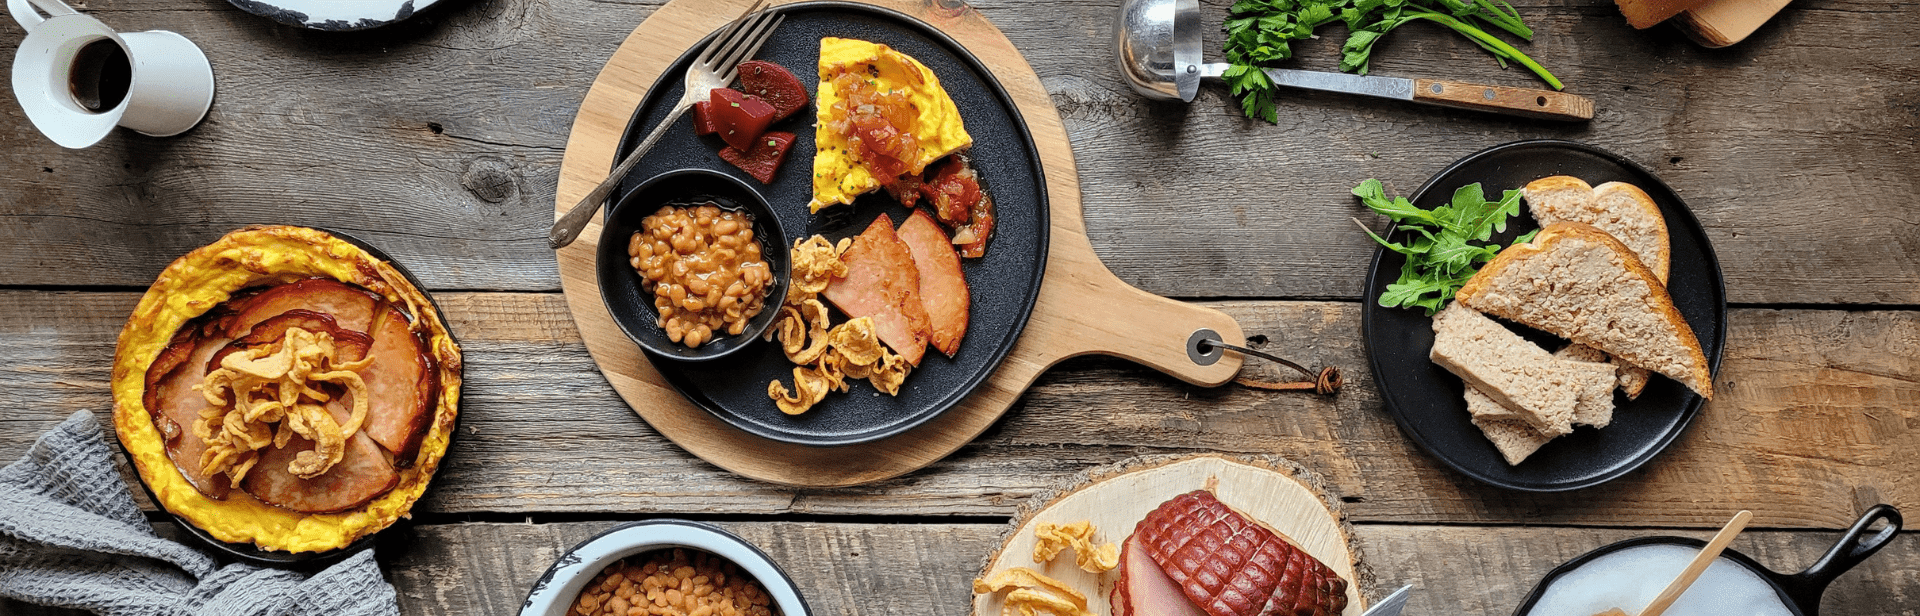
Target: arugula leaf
[[1445, 246]]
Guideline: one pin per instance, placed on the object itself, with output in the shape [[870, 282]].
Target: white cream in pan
[[1629, 579]]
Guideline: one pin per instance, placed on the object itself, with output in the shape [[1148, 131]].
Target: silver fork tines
[[715, 67]]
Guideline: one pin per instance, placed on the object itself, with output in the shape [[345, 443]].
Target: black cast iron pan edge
[[1687, 416], [317, 560], [1013, 330], [1800, 591]]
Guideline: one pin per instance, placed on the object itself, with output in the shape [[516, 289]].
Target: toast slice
[[1514, 438], [1632, 379], [1620, 209], [1579, 283], [1515, 373]]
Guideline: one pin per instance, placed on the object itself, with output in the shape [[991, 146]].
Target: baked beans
[[703, 266], [673, 583]]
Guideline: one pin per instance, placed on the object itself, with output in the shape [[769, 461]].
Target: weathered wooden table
[[439, 140]]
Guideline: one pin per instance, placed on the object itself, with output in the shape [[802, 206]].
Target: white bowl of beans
[[662, 568], [693, 265]]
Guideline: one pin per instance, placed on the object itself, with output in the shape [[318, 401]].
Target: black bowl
[[631, 304]]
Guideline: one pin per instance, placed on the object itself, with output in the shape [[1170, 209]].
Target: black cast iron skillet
[[314, 560], [1800, 592], [1427, 401], [1004, 284]]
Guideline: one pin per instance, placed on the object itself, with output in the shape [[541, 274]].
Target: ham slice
[[1144, 589], [399, 385], [943, 287], [883, 283], [175, 404], [361, 475], [1227, 564], [351, 307]]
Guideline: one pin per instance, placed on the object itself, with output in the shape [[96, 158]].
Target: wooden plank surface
[[1818, 414], [848, 569], [439, 140]]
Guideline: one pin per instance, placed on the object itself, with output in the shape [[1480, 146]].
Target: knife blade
[[1383, 87], [1391, 605]]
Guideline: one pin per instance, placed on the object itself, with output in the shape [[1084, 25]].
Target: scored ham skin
[[400, 386], [1230, 565], [943, 287], [882, 282]]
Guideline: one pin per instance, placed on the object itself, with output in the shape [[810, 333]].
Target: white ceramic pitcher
[[170, 91]]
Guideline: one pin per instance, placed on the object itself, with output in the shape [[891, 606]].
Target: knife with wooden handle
[[1524, 102]]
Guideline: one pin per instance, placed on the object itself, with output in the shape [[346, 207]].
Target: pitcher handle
[[24, 11]]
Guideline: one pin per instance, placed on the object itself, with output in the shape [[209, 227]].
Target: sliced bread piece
[[1515, 373], [1579, 283], [1592, 407], [1632, 379], [1620, 209], [1514, 438]]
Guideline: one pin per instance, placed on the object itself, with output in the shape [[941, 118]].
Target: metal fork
[[715, 67]]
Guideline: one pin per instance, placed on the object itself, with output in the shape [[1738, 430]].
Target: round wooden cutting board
[[1271, 490], [1082, 307]]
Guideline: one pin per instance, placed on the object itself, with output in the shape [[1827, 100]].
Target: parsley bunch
[[1445, 246], [1259, 31]]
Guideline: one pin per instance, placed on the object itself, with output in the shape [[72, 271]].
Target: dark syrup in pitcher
[[101, 76]]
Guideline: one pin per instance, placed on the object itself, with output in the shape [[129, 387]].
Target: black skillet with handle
[[1800, 592]]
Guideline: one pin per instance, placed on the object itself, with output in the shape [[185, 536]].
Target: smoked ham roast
[[1194, 556]]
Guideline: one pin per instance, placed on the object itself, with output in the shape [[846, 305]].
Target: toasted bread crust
[[1662, 259], [1699, 378]]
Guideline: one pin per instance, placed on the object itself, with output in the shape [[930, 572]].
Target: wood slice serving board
[[1271, 490], [1082, 307]]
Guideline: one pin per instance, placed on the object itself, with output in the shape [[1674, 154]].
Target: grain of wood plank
[[438, 139], [1818, 415], [844, 569]]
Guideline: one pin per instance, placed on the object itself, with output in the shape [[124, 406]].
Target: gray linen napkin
[[71, 536]]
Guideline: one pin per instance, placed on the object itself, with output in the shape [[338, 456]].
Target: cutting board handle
[[1084, 309]]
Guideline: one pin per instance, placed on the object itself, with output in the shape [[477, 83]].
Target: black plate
[[1426, 400], [252, 553], [1801, 591], [1005, 283]]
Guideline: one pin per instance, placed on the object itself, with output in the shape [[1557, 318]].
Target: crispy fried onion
[[816, 262], [1033, 594], [826, 356], [851, 350], [802, 330], [255, 388], [1050, 539]]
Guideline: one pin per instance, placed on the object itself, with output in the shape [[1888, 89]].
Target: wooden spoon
[[1694, 569]]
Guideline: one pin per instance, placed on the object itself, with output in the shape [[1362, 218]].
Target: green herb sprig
[[1259, 33], [1445, 245]]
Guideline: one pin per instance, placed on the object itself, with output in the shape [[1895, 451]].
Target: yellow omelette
[[838, 174]]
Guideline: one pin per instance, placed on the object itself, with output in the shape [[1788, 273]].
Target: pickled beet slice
[[763, 161], [702, 120], [774, 84], [739, 118]]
